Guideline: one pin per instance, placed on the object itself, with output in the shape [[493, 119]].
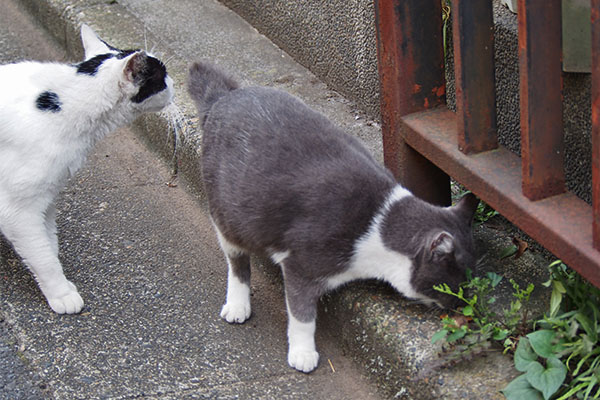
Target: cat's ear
[[466, 207], [442, 244], [92, 44], [134, 66]]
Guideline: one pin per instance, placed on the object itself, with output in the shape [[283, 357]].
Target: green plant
[[478, 325], [484, 213], [561, 359], [558, 355]]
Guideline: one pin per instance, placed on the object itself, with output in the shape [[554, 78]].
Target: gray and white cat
[[283, 181], [51, 115]]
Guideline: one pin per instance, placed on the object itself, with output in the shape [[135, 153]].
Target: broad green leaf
[[547, 380], [494, 278], [508, 251], [501, 334], [467, 311], [456, 335], [558, 286], [524, 355], [521, 389], [439, 335], [555, 300], [542, 342]]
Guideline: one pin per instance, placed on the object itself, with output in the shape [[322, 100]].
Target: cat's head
[[141, 77], [440, 244]]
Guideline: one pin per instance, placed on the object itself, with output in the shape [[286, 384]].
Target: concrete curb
[[386, 334]]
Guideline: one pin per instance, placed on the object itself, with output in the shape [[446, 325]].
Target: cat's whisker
[[176, 125], [169, 60]]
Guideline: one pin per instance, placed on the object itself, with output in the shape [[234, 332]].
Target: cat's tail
[[206, 84]]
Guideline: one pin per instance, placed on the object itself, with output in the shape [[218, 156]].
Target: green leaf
[[524, 355], [467, 311], [439, 335], [558, 286], [547, 380], [456, 335], [542, 343], [494, 278], [521, 389], [555, 300], [508, 251], [500, 334]]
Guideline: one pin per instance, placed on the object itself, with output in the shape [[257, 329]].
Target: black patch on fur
[[90, 67], [48, 101], [151, 79], [109, 46]]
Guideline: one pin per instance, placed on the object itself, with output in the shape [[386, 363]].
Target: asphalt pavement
[[143, 255]]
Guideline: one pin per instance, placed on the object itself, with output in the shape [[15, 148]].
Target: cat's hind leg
[[237, 307], [301, 299], [32, 238]]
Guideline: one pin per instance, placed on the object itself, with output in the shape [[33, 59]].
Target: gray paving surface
[[148, 266]]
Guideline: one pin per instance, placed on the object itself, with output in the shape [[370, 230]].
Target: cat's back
[[23, 82], [262, 126]]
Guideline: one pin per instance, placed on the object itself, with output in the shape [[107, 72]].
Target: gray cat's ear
[[92, 44], [442, 244], [466, 207], [134, 66]]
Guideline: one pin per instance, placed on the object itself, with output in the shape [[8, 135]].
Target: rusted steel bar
[[596, 119], [542, 144], [473, 33], [562, 223], [411, 71]]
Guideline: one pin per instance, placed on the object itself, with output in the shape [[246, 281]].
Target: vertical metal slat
[[473, 36], [542, 144], [411, 70]]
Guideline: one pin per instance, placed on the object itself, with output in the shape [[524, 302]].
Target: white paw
[[236, 312], [303, 360], [67, 302]]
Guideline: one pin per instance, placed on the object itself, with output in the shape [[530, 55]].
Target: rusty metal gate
[[424, 142]]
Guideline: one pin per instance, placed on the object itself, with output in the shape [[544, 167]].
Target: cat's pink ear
[[443, 243], [135, 66], [92, 44]]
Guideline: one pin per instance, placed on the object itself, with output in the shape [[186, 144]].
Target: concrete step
[[387, 335]]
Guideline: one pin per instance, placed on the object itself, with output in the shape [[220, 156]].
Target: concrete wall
[[336, 40]]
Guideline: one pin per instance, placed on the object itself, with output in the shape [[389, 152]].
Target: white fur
[[237, 307], [40, 150], [302, 352], [373, 260], [279, 257]]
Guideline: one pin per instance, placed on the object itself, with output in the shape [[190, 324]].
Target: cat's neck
[[92, 105], [373, 260]]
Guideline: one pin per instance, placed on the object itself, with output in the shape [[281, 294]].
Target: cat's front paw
[[303, 360], [66, 303], [236, 312]]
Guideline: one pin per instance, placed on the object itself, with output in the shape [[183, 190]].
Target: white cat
[[51, 115]]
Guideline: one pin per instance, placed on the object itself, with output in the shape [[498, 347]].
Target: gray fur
[[281, 177]]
